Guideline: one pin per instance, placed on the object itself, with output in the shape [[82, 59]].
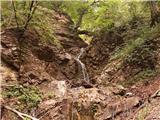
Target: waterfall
[[84, 70]]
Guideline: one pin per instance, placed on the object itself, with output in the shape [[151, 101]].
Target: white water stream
[[84, 70]]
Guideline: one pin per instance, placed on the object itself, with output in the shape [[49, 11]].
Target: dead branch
[[21, 115], [155, 94], [5, 85]]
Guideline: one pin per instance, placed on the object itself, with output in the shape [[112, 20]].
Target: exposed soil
[[146, 90]]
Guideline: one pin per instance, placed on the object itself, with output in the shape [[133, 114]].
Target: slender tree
[[155, 13], [15, 14]]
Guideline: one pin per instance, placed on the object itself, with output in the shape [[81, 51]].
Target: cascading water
[[84, 70]]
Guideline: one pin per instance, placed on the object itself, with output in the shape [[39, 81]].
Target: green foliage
[[141, 77], [138, 53], [74, 8], [43, 25], [143, 56], [8, 14], [129, 47], [144, 34], [29, 96], [27, 118], [98, 15], [104, 14]]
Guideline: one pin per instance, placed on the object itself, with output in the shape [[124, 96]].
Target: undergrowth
[[138, 54], [28, 97], [143, 76], [43, 25], [130, 45]]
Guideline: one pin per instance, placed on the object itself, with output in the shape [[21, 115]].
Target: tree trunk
[[155, 13]]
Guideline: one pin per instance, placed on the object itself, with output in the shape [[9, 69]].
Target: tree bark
[[15, 14], [82, 13], [155, 13]]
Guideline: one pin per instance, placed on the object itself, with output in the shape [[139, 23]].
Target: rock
[[47, 103], [54, 89], [63, 32], [8, 75], [41, 62], [149, 110], [129, 94], [154, 114], [56, 110], [124, 104]]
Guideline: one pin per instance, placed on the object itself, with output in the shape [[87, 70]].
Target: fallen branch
[[5, 85], [21, 115], [155, 94], [146, 102]]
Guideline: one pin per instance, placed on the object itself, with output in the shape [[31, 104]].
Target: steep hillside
[[49, 71]]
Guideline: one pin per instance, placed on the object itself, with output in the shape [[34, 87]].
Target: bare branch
[[33, 7], [21, 115], [156, 94]]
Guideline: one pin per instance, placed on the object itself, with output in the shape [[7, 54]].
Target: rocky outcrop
[[41, 61], [86, 104], [98, 53], [64, 32]]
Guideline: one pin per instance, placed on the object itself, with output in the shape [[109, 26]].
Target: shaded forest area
[[80, 60]]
